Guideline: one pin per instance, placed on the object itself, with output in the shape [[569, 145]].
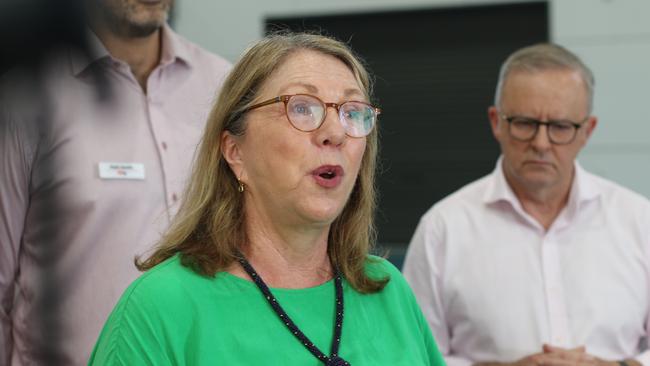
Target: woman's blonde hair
[[209, 228]]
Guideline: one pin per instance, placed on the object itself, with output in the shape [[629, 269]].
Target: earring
[[240, 186]]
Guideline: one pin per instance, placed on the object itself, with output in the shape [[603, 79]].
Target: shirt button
[[174, 197], [164, 145]]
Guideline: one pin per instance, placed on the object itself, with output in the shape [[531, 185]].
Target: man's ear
[[493, 116], [590, 125], [231, 151]]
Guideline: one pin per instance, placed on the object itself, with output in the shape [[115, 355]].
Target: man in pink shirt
[[539, 263], [86, 184]]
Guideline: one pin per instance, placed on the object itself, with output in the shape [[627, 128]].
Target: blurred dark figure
[[30, 30], [88, 183]]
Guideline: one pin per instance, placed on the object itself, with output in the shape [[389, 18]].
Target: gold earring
[[240, 187]]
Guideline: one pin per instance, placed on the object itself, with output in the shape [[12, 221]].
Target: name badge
[[121, 171]]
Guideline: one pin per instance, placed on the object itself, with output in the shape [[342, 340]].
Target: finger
[[547, 348], [566, 357], [555, 349], [574, 356], [556, 359], [568, 353]]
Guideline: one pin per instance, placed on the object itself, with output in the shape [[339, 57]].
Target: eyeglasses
[[307, 113], [561, 132]]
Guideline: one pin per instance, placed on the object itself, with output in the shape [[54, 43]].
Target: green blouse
[[173, 316]]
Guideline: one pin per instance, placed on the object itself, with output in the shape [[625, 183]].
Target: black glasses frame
[[576, 126], [286, 98]]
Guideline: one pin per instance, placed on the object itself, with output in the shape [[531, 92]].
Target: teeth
[[328, 175]]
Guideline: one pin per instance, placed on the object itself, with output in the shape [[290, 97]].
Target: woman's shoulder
[[169, 281], [151, 311], [397, 306]]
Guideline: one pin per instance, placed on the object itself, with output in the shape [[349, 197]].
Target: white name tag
[[121, 171]]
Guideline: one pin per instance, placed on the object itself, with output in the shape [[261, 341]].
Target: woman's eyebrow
[[314, 90]]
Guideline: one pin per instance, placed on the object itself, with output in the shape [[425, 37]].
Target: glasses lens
[[522, 128], [305, 112], [358, 118], [561, 132]]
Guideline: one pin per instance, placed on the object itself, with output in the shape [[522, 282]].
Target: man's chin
[[142, 29], [537, 165], [539, 180]]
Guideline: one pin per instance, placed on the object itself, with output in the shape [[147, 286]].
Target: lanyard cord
[[333, 359]]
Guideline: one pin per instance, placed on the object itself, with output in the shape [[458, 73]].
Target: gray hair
[[541, 57]]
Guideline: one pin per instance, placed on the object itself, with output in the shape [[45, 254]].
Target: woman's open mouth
[[328, 176]]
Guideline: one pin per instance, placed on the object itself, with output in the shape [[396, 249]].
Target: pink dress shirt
[[87, 185], [495, 285]]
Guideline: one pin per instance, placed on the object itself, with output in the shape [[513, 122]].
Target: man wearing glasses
[[541, 262]]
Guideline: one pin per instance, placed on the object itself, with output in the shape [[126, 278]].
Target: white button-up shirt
[[495, 285]]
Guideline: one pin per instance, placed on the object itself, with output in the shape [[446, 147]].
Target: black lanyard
[[333, 359]]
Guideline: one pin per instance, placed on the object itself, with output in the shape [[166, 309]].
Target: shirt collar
[[172, 50], [499, 189], [96, 52], [583, 188]]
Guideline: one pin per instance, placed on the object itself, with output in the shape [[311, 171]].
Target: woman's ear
[[231, 151]]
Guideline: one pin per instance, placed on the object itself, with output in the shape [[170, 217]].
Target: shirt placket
[[554, 294], [162, 138]]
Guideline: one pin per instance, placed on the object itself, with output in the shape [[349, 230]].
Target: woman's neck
[[287, 257]]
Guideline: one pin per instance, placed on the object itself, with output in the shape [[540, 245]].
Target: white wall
[[612, 37]]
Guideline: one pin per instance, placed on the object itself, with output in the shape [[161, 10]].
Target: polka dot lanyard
[[333, 359]]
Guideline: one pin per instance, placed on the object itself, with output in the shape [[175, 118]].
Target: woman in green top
[[267, 260]]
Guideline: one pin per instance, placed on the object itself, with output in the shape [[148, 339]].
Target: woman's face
[[293, 177]]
